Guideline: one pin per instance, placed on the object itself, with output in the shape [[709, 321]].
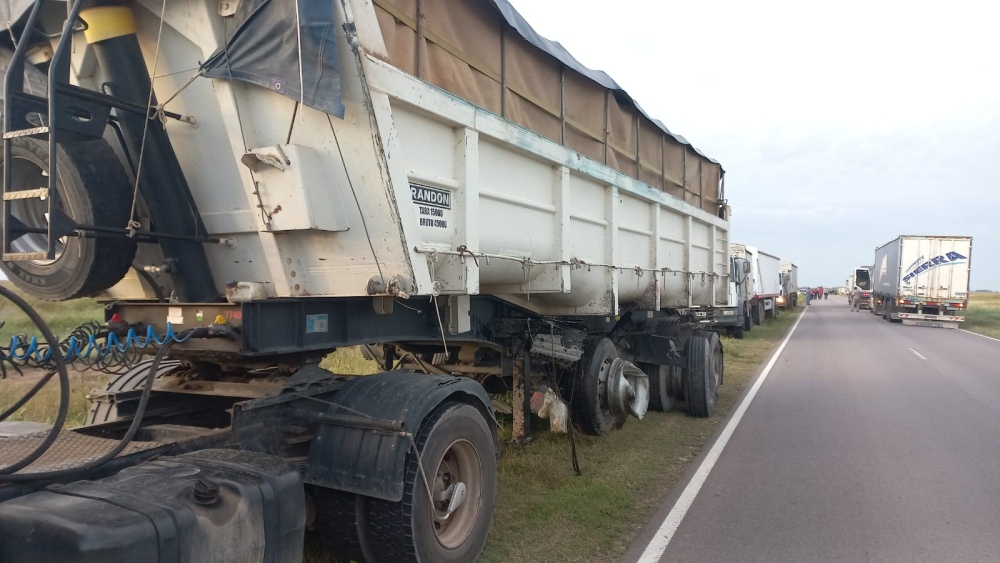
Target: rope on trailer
[[575, 263], [134, 225]]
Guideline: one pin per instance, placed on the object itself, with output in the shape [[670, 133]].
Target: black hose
[[63, 387], [133, 428]]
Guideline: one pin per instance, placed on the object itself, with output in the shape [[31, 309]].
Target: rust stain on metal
[[517, 396]]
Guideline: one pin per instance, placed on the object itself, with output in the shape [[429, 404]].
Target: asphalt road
[[868, 441]]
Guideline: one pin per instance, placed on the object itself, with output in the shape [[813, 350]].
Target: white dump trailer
[[923, 280], [433, 180]]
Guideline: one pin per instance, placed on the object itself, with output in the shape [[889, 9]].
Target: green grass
[[349, 361], [983, 316]]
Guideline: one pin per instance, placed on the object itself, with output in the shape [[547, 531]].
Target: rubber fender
[[372, 462]]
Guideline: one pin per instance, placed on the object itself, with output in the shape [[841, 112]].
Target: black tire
[[588, 413], [662, 395], [757, 312], [703, 375], [93, 189], [342, 524], [738, 332], [747, 321], [102, 410], [405, 530]]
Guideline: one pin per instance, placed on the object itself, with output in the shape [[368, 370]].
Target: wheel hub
[[627, 389], [457, 481]]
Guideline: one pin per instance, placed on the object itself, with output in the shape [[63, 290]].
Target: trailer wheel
[[103, 409], [738, 332], [459, 462], [341, 521], [747, 321], [703, 374], [589, 410], [757, 312], [662, 393]]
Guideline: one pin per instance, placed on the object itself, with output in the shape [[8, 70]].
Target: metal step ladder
[[68, 114]]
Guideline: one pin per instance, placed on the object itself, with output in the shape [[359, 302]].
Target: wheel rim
[[27, 175], [716, 374], [602, 386], [460, 465]]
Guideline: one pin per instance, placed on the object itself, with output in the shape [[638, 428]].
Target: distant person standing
[[809, 294], [856, 299]]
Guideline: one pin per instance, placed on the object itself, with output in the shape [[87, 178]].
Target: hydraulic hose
[[60, 366]]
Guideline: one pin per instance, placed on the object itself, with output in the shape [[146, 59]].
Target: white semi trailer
[[433, 178], [923, 280], [765, 282]]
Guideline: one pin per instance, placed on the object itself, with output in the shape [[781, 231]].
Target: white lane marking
[[979, 335], [917, 354], [654, 550]]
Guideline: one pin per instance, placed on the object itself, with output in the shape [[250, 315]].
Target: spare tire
[[93, 191]]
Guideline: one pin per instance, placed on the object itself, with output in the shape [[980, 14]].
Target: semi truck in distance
[[789, 285], [764, 282], [922, 280]]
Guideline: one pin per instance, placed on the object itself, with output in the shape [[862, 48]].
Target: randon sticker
[[433, 205], [426, 195]]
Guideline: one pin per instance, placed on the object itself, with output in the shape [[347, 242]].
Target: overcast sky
[[840, 125]]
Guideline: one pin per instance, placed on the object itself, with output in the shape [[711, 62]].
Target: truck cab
[[861, 288]]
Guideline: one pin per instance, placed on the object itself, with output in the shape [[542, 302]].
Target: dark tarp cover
[[524, 29], [264, 50]]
